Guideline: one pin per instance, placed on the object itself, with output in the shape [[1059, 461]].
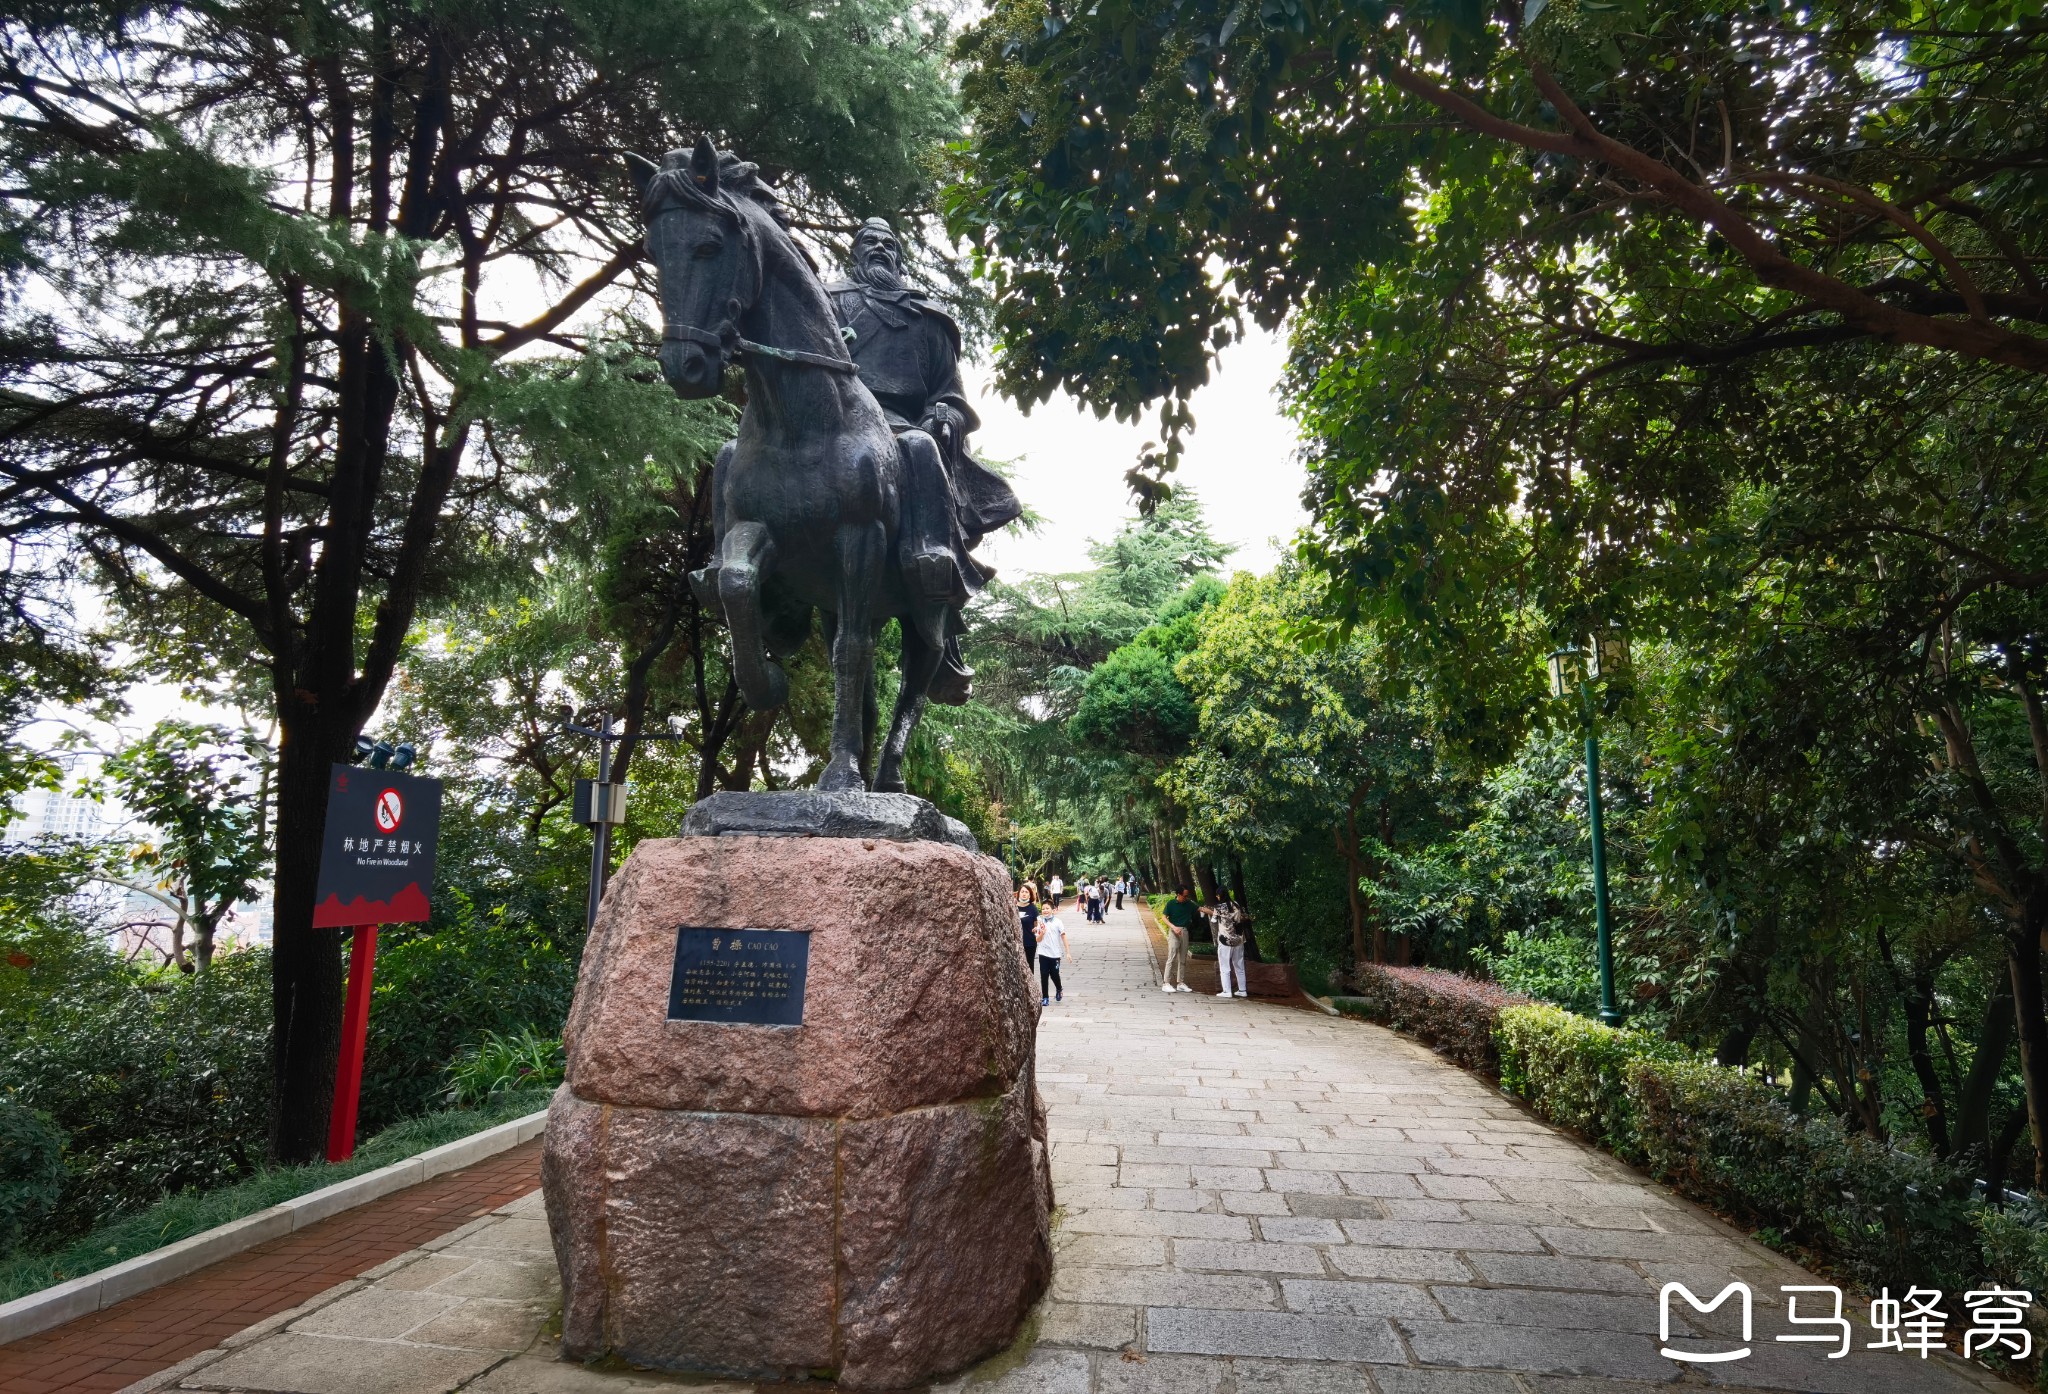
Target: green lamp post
[[1605, 657]]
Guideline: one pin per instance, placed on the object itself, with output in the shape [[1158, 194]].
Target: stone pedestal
[[866, 1194]]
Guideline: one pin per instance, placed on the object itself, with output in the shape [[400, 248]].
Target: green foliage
[[1455, 1014], [1557, 968], [204, 790], [440, 988], [31, 1171], [1726, 1139], [191, 1212], [1575, 1072], [519, 1063], [1883, 1215], [158, 1082]]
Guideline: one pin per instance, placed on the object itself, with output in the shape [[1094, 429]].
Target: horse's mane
[[739, 181]]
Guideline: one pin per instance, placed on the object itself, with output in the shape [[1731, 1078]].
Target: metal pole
[[1603, 940], [601, 835], [355, 1026]]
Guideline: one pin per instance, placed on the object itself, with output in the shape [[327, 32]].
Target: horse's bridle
[[727, 340]]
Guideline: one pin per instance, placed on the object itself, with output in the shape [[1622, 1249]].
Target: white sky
[[1240, 461]]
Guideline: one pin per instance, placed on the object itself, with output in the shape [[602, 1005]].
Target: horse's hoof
[[842, 776]]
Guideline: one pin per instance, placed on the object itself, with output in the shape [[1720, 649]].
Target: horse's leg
[[744, 553], [862, 549], [704, 580], [920, 663]]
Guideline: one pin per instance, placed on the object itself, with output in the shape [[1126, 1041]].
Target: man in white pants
[[1231, 930]]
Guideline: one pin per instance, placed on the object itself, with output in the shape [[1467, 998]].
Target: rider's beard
[[878, 269]]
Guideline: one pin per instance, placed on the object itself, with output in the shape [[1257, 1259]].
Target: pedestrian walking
[[1232, 929], [1053, 889], [1053, 950], [1095, 901], [1119, 892], [1027, 920], [1181, 915]]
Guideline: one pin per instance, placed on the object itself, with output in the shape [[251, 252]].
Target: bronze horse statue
[[808, 501]]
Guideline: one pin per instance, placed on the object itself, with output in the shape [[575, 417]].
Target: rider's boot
[[931, 570], [953, 684]]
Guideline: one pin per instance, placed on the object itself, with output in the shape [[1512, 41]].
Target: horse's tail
[[744, 553]]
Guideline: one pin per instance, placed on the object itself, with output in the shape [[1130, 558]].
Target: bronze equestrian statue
[[828, 499]]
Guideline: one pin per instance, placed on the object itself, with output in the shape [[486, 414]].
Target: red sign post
[[376, 867]]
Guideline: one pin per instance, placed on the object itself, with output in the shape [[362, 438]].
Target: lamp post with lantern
[[1604, 658]]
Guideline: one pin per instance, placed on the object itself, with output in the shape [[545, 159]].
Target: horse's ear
[[704, 165], [643, 171]]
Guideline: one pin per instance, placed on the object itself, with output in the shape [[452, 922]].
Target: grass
[[181, 1216]]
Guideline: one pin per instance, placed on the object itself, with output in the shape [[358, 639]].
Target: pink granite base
[[866, 1194]]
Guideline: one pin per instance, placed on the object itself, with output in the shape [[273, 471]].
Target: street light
[[600, 804], [1605, 658]]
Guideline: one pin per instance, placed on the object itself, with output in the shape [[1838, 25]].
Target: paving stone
[[1550, 1271], [1397, 1381], [1531, 1349], [1457, 1187], [1042, 1372], [1254, 1203], [1184, 1200], [535, 1374], [300, 1363], [1148, 1224], [1399, 1265], [1246, 1258], [375, 1313], [1579, 1311], [1393, 1185], [1451, 1211], [1336, 1207], [1160, 1374], [1365, 1299], [1299, 1377], [1297, 1230], [1157, 1287], [1300, 1335], [422, 1272], [484, 1323], [534, 1280], [1416, 1234], [1111, 1251], [1097, 1325]]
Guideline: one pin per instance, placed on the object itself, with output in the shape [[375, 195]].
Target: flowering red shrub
[[1451, 1012]]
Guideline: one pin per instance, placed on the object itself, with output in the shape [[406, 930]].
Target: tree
[[203, 788], [1299, 736], [277, 271], [1860, 169]]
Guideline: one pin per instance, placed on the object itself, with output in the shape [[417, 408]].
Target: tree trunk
[[1252, 952], [306, 974], [1346, 839], [2031, 1026], [1973, 1102], [1919, 1008]]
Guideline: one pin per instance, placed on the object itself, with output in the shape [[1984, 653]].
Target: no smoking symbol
[[389, 811]]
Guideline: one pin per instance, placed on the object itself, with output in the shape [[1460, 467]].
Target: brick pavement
[[1254, 1199], [153, 1330]]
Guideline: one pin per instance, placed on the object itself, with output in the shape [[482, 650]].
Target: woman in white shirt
[[1053, 950]]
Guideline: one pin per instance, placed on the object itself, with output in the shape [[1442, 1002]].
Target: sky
[[1240, 461]]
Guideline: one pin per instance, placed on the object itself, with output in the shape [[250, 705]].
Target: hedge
[[1726, 1139], [1450, 1012]]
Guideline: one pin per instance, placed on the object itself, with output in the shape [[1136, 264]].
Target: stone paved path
[[1256, 1199], [1262, 1198]]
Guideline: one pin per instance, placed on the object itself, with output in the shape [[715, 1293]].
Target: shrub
[[441, 988], [498, 1065], [1725, 1138], [31, 1171], [2015, 1246], [1574, 1072], [1450, 1012], [159, 1084]]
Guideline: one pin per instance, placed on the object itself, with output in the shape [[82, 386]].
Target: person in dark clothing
[[1027, 919]]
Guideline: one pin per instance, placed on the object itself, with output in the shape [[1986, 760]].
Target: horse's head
[[706, 259]]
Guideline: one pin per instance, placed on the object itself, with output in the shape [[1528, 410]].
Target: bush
[[1450, 1012], [159, 1083], [498, 1065], [181, 1216], [441, 988], [1884, 1216], [1574, 1072], [31, 1171]]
